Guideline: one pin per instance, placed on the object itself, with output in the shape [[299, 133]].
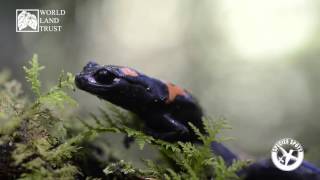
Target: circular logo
[[287, 154]]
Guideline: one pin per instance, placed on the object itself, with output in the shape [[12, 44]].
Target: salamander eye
[[104, 77]]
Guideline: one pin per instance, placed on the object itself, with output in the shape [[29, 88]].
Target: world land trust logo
[[27, 20], [39, 20], [287, 154]]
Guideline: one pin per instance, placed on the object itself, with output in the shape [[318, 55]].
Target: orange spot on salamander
[[129, 72], [174, 91]]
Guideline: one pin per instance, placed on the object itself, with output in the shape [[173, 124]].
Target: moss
[[32, 137]]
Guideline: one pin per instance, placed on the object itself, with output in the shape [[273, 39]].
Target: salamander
[[166, 109]]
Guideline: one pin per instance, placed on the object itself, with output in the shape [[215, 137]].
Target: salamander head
[[116, 84]]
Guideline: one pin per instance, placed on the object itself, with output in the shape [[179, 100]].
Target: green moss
[[36, 139], [188, 161], [33, 74]]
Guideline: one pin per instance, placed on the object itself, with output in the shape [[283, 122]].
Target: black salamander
[[166, 110]]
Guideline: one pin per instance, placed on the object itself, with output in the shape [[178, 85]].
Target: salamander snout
[[79, 81]]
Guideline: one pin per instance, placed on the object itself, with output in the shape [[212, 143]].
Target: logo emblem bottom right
[[287, 154]]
